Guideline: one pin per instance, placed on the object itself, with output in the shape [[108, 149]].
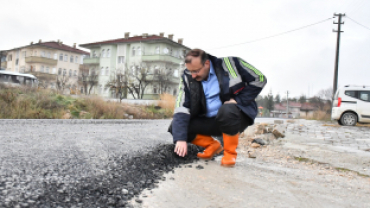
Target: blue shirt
[[212, 92]]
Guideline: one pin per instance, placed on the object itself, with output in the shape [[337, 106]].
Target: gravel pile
[[74, 184]]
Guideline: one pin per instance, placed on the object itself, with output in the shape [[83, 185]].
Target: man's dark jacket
[[237, 79]]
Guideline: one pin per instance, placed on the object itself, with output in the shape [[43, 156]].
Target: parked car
[[351, 105]]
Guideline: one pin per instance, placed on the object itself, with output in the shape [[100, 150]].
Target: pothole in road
[[126, 176]]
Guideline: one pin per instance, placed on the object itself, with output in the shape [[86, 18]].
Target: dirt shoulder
[[271, 177]]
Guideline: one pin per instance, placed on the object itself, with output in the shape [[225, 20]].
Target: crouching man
[[216, 97]]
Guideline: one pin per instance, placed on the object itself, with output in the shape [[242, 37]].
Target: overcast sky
[[301, 62]]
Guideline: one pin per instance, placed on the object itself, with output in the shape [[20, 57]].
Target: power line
[[357, 22], [259, 39]]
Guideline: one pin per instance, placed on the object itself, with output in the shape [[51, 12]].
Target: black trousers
[[229, 120]]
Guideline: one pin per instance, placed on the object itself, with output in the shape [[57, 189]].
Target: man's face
[[198, 70]]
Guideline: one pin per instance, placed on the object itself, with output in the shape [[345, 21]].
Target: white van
[[351, 105]]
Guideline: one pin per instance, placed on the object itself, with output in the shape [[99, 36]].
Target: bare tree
[[139, 78], [119, 84], [87, 78], [326, 94], [164, 80], [62, 81]]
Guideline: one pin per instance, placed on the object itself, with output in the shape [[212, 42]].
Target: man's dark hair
[[196, 53]]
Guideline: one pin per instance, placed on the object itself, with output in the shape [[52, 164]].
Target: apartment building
[[55, 64], [143, 66]]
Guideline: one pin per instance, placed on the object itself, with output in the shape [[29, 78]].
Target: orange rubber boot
[[230, 144], [212, 146]]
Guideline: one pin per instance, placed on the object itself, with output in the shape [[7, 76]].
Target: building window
[[133, 51], [55, 56], [121, 59], [47, 69], [155, 89], [82, 90], [35, 53], [64, 72], [24, 54], [76, 60], [66, 58], [59, 71], [75, 74], [108, 53], [16, 61], [170, 51], [71, 59], [94, 53], [139, 51], [10, 57], [61, 57], [54, 70], [102, 71], [48, 55], [107, 71], [42, 54], [103, 53], [157, 50], [70, 72], [42, 69]]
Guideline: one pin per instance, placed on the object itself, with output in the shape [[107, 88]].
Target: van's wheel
[[348, 119], [340, 123]]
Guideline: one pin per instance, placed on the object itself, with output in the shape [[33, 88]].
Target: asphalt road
[[130, 163], [80, 163]]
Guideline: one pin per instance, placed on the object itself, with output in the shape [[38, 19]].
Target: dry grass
[[26, 103], [320, 115], [167, 103], [363, 125]]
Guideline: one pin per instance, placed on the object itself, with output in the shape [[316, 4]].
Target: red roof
[[303, 106], [280, 107], [307, 106], [292, 104], [56, 45], [132, 39]]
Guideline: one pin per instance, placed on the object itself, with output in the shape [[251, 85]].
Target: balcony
[[160, 57], [91, 78], [39, 59], [91, 60], [42, 75], [4, 64]]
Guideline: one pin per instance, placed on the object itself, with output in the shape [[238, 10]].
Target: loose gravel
[[56, 163], [126, 176]]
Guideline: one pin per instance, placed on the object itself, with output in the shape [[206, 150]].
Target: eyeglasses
[[196, 71]]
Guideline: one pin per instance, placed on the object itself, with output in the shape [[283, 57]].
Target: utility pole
[[287, 104], [339, 23]]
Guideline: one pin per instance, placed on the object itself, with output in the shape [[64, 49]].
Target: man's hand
[[231, 101], [181, 148]]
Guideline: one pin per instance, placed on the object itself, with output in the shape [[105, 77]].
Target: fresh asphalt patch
[[56, 185]]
